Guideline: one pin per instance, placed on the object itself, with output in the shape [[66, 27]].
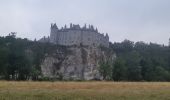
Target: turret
[[107, 36], [54, 30], [96, 30], [54, 26], [91, 27], [65, 27], [62, 28], [71, 25], [85, 27]]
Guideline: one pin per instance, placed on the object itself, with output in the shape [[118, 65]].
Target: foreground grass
[[84, 91]]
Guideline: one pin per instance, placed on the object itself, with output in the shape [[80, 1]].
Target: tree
[[134, 69], [160, 74], [105, 70], [4, 52], [119, 72]]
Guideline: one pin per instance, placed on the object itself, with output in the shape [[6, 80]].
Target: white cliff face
[[82, 63]]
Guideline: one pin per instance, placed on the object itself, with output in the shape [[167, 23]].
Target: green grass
[[84, 91]]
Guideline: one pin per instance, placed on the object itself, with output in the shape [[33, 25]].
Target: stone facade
[[76, 35]]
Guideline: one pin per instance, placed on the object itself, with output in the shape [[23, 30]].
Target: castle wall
[[77, 36], [69, 37]]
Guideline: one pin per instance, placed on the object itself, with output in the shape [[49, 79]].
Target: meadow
[[11, 90]]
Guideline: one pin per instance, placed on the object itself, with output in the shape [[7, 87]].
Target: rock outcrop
[[78, 63]]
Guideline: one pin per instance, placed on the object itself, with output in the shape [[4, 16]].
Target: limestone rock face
[[79, 63]]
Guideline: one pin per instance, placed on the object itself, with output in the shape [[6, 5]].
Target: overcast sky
[[136, 20]]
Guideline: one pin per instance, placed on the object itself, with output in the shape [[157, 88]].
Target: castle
[[76, 35]]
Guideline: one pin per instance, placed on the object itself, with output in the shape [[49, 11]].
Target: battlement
[[76, 35], [74, 27]]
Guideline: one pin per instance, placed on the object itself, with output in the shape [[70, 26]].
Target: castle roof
[[75, 27]]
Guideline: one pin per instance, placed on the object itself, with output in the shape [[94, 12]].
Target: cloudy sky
[[137, 20]]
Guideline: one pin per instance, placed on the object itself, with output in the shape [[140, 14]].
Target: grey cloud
[[137, 20]]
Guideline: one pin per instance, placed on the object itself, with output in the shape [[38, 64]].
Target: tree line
[[138, 62], [20, 59]]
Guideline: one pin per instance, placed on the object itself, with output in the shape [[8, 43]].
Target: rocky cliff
[[75, 63]]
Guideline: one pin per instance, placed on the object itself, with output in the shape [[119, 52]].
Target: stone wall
[[76, 36]]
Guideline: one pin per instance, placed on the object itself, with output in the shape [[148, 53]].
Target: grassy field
[[84, 91]]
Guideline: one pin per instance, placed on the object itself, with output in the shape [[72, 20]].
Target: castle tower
[[53, 33], [65, 27], [71, 25], [96, 30], [107, 37], [107, 40], [85, 27]]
